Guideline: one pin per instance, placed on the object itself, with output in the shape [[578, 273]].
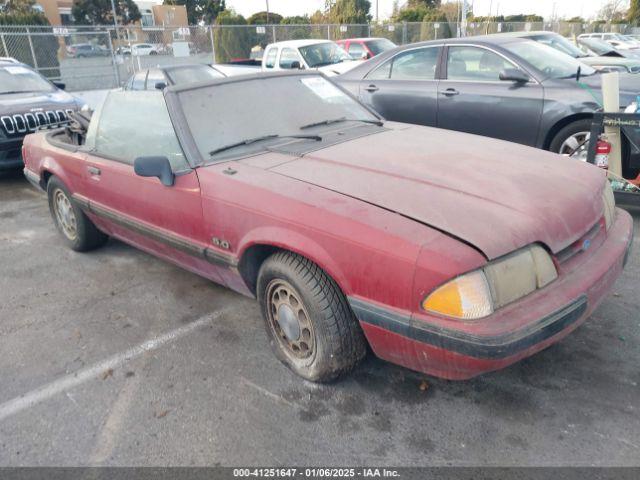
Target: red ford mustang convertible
[[447, 253]]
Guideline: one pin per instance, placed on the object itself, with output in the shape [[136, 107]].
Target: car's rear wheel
[[79, 233], [573, 140], [310, 325]]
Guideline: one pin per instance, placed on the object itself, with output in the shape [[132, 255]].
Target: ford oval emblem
[[585, 245]]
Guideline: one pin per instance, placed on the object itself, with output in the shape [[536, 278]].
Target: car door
[[164, 220], [472, 98], [405, 87]]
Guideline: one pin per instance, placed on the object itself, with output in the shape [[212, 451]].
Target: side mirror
[[154, 167], [295, 65], [60, 85], [365, 56], [160, 85], [514, 75]]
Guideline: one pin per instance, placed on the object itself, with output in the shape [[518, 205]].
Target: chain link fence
[[92, 57]]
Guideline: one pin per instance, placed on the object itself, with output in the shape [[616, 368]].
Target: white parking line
[[72, 380]]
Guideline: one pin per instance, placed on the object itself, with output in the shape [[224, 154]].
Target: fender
[[297, 243]]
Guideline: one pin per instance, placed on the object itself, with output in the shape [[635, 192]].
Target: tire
[[289, 284], [573, 128], [78, 232]]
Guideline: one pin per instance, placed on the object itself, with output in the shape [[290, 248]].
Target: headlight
[[479, 293], [609, 202]]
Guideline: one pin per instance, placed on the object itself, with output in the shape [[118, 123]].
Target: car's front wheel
[[573, 140], [310, 325], [79, 233]]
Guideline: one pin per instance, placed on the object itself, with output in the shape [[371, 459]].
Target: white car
[[323, 55], [621, 42], [140, 49]]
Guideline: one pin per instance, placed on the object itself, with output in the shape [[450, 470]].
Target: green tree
[[260, 18], [349, 11], [200, 10], [99, 12], [296, 20], [232, 43], [633, 14], [576, 20], [18, 7]]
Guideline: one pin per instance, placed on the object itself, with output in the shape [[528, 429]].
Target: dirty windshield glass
[[322, 54], [228, 113], [549, 61], [19, 79]]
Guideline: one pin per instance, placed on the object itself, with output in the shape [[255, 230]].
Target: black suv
[[28, 102]]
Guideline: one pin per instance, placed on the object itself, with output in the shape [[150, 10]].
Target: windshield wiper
[[17, 91], [249, 141], [342, 119]]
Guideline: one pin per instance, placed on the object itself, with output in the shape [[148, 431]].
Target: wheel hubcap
[[576, 146], [289, 320], [65, 214]]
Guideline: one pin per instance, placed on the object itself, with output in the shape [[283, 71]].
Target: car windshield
[[559, 43], [597, 46], [235, 112], [20, 79], [549, 61], [321, 54], [379, 46], [193, 74]]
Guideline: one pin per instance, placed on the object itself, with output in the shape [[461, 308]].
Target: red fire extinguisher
[[603, 149]]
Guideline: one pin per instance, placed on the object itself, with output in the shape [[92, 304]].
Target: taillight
[[603, 149]]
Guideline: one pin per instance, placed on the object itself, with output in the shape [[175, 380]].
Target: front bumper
[[511, 334], [11, 154]]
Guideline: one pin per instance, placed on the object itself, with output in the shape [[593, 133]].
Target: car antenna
[[578, 73]]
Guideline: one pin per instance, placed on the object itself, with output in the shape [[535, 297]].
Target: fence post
[[4, 45], [273, 28], [116, 71], [213, 43], [328, 31], [404, 32], [33, 53]]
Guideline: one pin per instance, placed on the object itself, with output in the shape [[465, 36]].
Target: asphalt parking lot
[[117, 358]]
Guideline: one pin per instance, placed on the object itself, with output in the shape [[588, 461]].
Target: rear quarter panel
[[44, 159]]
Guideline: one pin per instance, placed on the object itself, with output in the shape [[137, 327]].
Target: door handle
[[93, 170], [372, 88], [450, 92]]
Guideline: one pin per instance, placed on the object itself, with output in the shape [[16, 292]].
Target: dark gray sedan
[[498, 86]]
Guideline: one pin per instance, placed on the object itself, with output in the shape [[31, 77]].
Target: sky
[[564, 8]]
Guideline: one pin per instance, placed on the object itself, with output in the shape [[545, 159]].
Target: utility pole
[[267, 11], [377, 11], [115, 19]]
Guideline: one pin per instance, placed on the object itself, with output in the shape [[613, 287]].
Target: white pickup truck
[[323, 55]]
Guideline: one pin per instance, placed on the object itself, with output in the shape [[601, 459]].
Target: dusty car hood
[[495, 195]]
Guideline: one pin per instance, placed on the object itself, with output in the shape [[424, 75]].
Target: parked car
[[161, 77], [365, 48], [28, 101], [608, 60], [620, 60], [83, 50], [497, 86], [323, 55], [141, 49], [448, 253], [616, 40]]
